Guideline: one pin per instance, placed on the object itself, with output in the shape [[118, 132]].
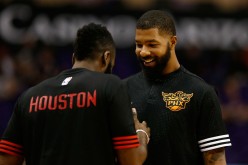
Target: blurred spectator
[[8, 81], [230, 5], [6, 61], [10, 86], [27, 70], [235, 105], [47, 63], [235, 114], [226, 6]]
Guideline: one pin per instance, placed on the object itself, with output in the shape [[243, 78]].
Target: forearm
[[143, 133], [142, 149], [215, 157], [134, 156]]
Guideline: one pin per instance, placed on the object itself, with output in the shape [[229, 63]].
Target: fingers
[[134, 111], [138, 125], [135, 115], [145, 127]]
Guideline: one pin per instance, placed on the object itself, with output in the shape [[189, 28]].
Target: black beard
[[156, 72]]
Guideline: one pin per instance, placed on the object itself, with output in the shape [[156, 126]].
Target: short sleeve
[[11, 142], [120, 115], [211, 128]]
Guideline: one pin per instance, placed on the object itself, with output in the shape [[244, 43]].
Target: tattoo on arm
[[215, 157]]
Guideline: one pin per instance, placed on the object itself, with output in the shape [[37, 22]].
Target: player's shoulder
[[96, 78], [197, 81], [107, 78], [39, 86], [193, 77]]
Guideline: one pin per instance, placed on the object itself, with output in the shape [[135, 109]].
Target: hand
[[141, 126]]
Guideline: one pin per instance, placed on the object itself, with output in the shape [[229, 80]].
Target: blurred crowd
[[25, 65], [222, 5]]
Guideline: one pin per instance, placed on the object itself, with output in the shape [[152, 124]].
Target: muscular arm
[[215, 157], [6, 159], [135, 156]]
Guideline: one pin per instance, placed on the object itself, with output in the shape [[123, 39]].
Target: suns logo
[[176, 101]]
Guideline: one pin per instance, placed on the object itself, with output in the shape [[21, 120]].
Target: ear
[[73, 59], [173, 41], [106, 58]]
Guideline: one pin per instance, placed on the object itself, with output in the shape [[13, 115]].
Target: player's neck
[[90, 65], [172, 65]]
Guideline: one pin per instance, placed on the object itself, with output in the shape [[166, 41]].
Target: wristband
[[141, 130]]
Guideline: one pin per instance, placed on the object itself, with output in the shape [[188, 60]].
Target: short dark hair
[[91, 39], [157, 19]]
